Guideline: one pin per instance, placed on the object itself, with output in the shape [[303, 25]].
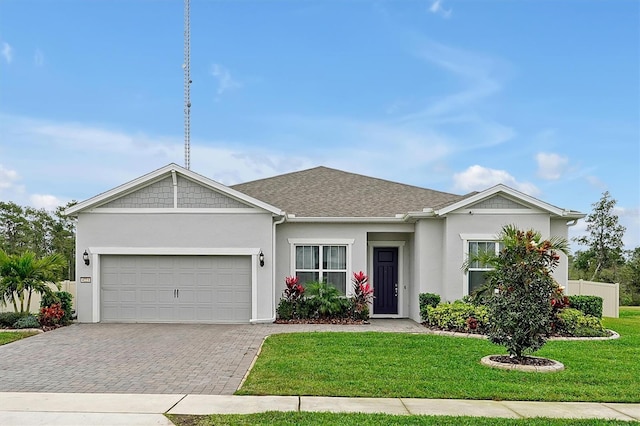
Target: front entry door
[[385, 280]]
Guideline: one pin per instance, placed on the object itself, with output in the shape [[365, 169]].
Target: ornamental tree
[[604, 240], [520, 308]]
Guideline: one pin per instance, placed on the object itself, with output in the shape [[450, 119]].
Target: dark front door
[[385, 280]]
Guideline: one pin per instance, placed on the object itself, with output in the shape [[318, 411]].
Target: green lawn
[[343, 419], [428, 366], [8, 337]]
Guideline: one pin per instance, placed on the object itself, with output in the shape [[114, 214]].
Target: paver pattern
[[148, 358]]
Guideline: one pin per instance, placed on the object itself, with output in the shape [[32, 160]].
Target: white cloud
[[8, 177], [478, 178], [437, 8], [47, 202], [7, 52], [225, 81], [551, 166], [38, 58]]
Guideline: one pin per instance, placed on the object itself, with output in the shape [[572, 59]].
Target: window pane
[[479, 247], [334, 257], [307, 277], [476, 280], [338, 280], [307, 257]]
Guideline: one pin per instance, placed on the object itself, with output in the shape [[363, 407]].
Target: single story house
[[175, 246]]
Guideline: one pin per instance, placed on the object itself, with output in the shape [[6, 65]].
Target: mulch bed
[[336, 321], [526, 360]]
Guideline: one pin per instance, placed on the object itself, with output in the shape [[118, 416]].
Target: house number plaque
[[85, 279]]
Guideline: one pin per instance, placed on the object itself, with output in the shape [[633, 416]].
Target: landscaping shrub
[[589, 305], [64, 299], [520, 308], [575, 323], [29, 321], [7, 319], [51, 315], [426, 300], [362, 296], [458, 316], [326, 300]]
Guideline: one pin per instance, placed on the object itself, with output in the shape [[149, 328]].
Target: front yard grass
[[8, 337], [357, 419], [428, 366]]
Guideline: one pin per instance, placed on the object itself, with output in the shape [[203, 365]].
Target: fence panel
[[68, 286], [610, 294]]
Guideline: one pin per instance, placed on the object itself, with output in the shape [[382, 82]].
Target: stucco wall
[[360, 233], [177, 230], [427, 261], [463, 223]]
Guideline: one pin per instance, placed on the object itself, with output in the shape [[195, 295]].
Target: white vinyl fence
[[68, 286], [610, 294]]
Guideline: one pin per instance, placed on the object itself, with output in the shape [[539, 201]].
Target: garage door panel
[[213, 289]]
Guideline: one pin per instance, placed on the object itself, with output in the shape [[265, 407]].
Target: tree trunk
[[596, 272], [29, 301]]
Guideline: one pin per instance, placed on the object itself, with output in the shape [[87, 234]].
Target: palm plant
[[22, 275]]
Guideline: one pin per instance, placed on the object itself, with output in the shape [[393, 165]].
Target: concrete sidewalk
[[140, 409]]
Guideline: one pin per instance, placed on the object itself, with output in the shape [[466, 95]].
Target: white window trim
[[348, 242], [466, 239], [401, 284], [96, 252]]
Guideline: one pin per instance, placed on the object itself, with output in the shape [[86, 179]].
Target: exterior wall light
[[261, 258], [85, 257]]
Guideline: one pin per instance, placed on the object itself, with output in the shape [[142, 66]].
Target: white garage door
[[200, 289]]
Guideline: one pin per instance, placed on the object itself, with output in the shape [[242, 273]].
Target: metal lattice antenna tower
[[187, 84]]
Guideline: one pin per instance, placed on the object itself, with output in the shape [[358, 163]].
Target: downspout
[[572, 223]]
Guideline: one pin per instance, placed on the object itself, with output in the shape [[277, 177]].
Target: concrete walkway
[[140, 409]]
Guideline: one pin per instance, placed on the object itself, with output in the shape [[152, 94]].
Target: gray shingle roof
[[326, 192]]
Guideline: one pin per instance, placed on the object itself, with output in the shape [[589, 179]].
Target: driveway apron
[[146, 358]]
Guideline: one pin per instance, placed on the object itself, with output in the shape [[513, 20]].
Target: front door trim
[[401, 283]]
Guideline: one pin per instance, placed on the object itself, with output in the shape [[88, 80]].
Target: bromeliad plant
[[362, 296]]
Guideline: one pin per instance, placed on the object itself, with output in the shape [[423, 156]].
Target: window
[[322, 263], [476, 273]]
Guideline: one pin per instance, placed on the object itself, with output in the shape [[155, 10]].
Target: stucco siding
[[359, 233], [427, 261], [174, 230], [559, 228], [454, 282]]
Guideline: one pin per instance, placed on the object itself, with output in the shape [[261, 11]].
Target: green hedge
[[575, 323], [588, 305], [458, 316], [7, 319], [426, 300]]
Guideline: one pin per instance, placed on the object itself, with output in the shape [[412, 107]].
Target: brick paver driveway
[[146, 358]]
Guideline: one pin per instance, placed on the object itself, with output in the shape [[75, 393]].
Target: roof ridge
[[350, 174]]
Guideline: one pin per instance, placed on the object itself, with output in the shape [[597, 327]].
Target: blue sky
[[543, 96]]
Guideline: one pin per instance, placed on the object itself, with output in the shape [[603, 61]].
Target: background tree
[[23, 274], [42, 232], [604, 240]]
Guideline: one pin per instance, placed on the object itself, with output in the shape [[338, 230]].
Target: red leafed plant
[[294, 290], [51, 315], [362, 295]]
